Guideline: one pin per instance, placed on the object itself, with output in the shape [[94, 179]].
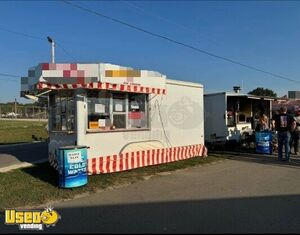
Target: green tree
[[260, 91]]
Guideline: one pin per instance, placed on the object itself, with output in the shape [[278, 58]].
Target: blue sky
[[264, 34]]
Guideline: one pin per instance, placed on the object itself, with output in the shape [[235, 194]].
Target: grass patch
[[12, 131], [39, 184]]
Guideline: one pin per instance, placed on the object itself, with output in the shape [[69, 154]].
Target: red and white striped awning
[[103, 86]]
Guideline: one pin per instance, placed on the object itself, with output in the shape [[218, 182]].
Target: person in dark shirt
[[284, 124], [295, 135]]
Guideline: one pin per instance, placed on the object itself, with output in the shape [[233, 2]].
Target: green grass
[[12, 131], [39, 184]]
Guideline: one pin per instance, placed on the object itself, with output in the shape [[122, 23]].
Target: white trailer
[[229, 114], [128, 118]]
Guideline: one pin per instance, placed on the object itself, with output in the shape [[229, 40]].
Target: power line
[[58, 44], [21, 34], [139, 9], [151, 14], [13, 78], [65, 51], [9, 75], [8, 80], [178, 42], [158, 16]]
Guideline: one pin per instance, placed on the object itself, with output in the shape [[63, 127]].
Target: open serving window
[[109, 110], [62, 111]]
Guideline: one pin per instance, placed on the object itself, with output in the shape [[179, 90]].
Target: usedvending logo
[[32, 219]]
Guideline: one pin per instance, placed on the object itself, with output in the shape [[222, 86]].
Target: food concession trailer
[[230, 114], [128, 118]]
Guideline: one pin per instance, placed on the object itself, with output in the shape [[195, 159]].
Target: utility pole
[[242, 85], [52, 49], [15, 106]]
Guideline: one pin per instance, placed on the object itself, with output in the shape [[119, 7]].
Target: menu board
[[119, 107], [99, 108], [101, 122]]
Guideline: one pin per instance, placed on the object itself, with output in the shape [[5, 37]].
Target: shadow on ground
[[44, 172], [269, 214], [30, 153], [259, 158]]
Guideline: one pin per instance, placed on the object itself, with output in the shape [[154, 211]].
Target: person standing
[[272, 125], [296, 134], [263, 121], [284, 125]]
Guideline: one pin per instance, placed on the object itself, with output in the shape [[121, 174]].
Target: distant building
[[293, 105], [294, 94]]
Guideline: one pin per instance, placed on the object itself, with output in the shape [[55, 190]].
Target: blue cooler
[[72, 166], [263, 141]]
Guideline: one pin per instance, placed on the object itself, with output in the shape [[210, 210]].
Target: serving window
[[119, 101], [137, 111], [239, 111], [99, 110], [109, 110], [62, 111]]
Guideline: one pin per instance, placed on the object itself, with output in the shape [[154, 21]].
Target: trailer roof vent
[[237, 89]]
